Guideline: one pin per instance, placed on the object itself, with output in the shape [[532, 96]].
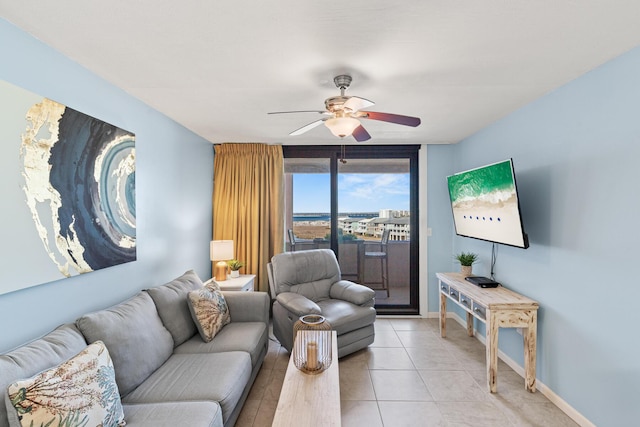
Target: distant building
[[400, 228], [398, 225], [396, 221], [348, 225], [392, 213], [363, 225], [385, 213], [375, 227]]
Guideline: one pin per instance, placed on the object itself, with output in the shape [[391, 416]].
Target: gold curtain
[[248, 204]]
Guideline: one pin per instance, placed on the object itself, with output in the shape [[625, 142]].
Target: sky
[[368, 192]]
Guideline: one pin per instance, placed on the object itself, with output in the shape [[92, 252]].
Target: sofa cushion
[[209, 310], [236, 336], [171, 303], [135, 336], [248, 306], [220, 377], [54, 348], [79, 391], [172, 414], [345, 317]]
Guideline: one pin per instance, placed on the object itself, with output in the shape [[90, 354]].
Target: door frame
[[334, 153]]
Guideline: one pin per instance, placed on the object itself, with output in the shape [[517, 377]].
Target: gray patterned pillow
[[80, 391], [209, 310]]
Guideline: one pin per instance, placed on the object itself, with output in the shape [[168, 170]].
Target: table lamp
[[221, 251]]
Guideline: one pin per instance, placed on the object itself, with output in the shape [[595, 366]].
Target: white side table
[[244, 283]]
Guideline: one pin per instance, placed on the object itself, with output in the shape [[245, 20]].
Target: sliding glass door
[[307, 203], [360, 201], [374, 230]]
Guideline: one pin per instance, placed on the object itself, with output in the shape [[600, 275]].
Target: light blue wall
[[440, 243], [174, 174], [577, 155]]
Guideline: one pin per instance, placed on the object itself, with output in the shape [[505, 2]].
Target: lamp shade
[[221, 250], [342, 126]]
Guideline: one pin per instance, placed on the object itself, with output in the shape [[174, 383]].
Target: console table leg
[[530, 338], [443, 315], [492, 352], [469, 324]]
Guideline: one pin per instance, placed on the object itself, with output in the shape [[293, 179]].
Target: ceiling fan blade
[[299, 111], [361, 134], [356, 103], [308, 127], [391, 118]]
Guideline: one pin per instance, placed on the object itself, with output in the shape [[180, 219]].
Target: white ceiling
[[218, 67]]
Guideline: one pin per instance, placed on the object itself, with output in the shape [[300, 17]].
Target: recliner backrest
[[309, 273]]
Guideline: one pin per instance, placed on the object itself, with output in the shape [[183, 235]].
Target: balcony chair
[[384, 262], [292, 240], [295, 243], [309, 282]]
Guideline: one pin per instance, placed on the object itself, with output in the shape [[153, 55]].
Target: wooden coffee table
[[310, 400]]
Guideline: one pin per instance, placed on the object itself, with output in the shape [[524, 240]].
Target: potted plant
[[235, 266], [466, 260]]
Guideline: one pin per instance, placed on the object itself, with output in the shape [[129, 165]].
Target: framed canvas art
[[70, 207]]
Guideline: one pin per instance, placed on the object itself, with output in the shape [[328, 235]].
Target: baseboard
[[546, 391], [400, 316]]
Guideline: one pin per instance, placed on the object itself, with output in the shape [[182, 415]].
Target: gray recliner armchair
[[309, 282]]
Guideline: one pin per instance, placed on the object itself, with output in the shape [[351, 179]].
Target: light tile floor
[[411, 377]]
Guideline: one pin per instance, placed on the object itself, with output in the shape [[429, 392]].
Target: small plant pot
[[466, 270], [234, 274]]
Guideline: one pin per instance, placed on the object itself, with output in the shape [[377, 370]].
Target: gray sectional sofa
[[165, 373]]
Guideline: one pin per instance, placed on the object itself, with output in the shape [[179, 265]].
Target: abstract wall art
[[75, 207]]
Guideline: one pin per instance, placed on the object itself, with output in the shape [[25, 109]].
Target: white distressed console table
[[497, 308]]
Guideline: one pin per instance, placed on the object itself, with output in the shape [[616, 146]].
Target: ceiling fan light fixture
[[342, 126], [345, 112]]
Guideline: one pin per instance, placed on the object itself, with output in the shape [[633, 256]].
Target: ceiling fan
[[344, 113]]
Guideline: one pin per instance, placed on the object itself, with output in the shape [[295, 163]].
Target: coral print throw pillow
[[209, 310], [79, 392]]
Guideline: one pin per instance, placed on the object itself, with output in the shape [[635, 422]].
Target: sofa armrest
[[298, 304], [352, 292], [248, 306]]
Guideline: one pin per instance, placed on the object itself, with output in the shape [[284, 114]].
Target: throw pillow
[[212, 284], [209, 310], [81, 391]]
